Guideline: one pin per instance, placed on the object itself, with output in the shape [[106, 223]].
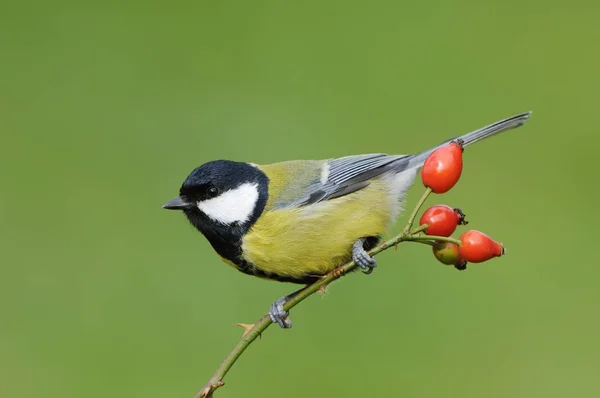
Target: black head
[[224, 191], [222, 199]]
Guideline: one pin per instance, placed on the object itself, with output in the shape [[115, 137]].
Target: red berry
[[442, 168], [477, 247], [447, 253], [442, 220]]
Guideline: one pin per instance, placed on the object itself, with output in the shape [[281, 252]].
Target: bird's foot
[[277, 313], [366, 263]]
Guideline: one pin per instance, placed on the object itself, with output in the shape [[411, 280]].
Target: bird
[[295, 221]]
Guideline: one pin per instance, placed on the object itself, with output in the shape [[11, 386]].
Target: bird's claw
[[279, 315], [366, 263]]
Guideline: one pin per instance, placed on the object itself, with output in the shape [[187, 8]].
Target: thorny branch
[[254, 331]]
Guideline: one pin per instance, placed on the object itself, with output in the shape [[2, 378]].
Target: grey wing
[[343, 176]]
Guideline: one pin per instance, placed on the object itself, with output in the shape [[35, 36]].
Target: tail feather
[[474, 136]]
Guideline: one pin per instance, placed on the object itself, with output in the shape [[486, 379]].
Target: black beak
[[177, 204]]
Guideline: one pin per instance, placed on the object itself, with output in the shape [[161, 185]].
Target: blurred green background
[[105, 107]]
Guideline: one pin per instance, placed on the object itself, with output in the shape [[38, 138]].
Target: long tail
[[474, 136]]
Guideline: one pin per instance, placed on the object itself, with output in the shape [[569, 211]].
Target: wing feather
[[342, 176], [350, 174]]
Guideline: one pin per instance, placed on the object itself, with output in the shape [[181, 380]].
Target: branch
[[254, 331]]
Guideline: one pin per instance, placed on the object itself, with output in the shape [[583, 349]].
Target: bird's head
[[222, 195]]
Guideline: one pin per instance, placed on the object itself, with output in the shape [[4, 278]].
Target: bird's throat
[[226, 240]]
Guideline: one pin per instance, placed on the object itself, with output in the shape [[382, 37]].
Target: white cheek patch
[[235, 205]]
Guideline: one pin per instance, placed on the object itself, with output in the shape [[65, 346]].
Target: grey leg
[[362, 258], [277, 313]]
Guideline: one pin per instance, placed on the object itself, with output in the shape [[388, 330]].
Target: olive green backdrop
[[105, 107]]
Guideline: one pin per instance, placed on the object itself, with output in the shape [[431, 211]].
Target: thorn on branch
[[207, 391], [339, 271], [323, 290], [247, 328]]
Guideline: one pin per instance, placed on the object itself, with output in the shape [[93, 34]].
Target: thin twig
[[263, 323], [415, 211]]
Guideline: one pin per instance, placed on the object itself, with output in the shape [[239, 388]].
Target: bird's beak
[[177, 204]]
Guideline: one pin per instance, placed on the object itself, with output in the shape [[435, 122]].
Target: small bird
[[296, 221]]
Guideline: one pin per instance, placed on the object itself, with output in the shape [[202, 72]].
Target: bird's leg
[[277, 313], [362, 258]]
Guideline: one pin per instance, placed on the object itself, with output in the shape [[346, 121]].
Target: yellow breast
[[313, 240]]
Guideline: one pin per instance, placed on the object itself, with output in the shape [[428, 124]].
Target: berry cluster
[[441, 171]]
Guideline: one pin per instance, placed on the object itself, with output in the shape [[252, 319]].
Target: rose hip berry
[[477, 247], [446, 252], [442, 168], [442, 220]]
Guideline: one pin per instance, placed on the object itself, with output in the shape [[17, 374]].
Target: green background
[[105, 107]]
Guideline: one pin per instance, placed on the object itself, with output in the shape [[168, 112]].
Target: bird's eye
[[212, 192]]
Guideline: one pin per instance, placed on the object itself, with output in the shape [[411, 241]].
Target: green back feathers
[[291, 180]]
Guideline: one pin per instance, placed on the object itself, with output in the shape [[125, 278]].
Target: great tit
[[296, 221]]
